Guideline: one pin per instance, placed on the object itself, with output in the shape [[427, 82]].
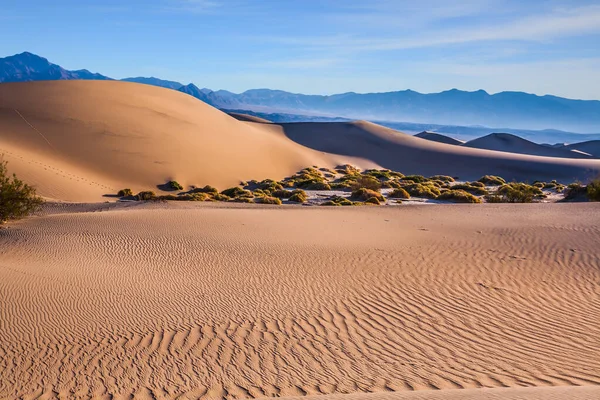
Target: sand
[[213, 301], [85, 140]]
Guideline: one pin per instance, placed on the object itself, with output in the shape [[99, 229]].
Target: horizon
[[541, 48]]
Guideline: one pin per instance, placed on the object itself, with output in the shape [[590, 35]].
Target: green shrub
[[268, 200], [593, 190], [174, 185], [340, 185], [373, 200], [185, 197], [237, 192], [242, 200], [298, 196], [260, 193], [458, 196], [125, 193], [515, 193], [282, 194], [443, 178], [206, 189], [368, 182], [220, 197], [316, 186], [347, 169], [330, 203], [383, 174], [391, 184], [17, 199], [145, 195], [364, 194], [426, 190], [470, 188], [492, 180], [341, 201], [399, 193], [269, 185], [415, 178]]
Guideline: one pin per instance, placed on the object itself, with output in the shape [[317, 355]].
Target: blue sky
[[321, 46]]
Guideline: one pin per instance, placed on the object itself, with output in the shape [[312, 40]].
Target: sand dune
[[591, 147], [514, 144], [78, 140], [248, 118], [437, 137], [201, 301], [412, 155]]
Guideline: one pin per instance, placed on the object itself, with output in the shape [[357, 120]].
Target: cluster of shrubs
[[364, 187]]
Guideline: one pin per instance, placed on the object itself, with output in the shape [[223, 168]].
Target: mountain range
[[452, 107]]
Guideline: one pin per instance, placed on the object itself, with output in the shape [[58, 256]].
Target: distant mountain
[[515, 144], [155, 82], [450, 108], [29, 67], [437, 137]]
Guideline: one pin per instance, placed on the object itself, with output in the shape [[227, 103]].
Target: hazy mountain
[[29, 67], [155, 82], [449, 108]]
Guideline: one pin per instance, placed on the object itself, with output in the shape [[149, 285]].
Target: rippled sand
[[213, 301]]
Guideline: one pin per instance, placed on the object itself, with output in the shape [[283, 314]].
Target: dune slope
[[437, 137], [591, 147], [199, 301], [412, 155], [78, 140]]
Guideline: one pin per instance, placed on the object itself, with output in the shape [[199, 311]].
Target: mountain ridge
[[450, 107]]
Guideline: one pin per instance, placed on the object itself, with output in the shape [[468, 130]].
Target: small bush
[[492, 180], [515, 193], [340, 185], [174, 185], [415, 178], [206, 189], [261, 193], [458, 196], [365, 181], [242, 200], [145, 195], [373, 200], [269, 185], [268, 200], [220, 197], [341, 201], [443, 178], [347, 169], [593, 190], [330, 203], [391, 184], [316, 186], [237, 192], [470, 188], [17, 199], [298, 196], [281, 194], [364, 194], [399, 193], [426, 190], [125, 193]]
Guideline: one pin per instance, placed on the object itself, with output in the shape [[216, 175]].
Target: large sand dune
[[413, 155], [591, 147], [78, 140], [160, 301]]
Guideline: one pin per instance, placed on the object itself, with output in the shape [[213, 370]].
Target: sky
[[321, 46]]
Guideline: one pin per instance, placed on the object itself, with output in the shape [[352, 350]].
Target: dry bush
[[364, 194], [17, 199], [458, 196], [399, 193]]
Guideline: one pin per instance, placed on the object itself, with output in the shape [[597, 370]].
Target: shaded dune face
[[514, 144], [436, 137], [412, 155], [174, 300]]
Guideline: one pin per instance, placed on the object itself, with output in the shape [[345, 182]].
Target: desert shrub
[[340, 185], [185, 197], [281, 194], [426, 190], [125, 193], [415, 178], [17, 199], [368, 182], [316, 186], [593, 190], [242, 200], [237, 192], [458, 196], [383, 174], [399, 193], [260, 193], [330, 203], [328, 171], [145, 195], [298, 198], [220, 197], [515, 193], [470, 188], [174, 185], [268, 200], [391, 184], [364, 194], [492, 180], [443, 178], [269, 185], [539, 184], [206, 189], [347, 169], [373, 200]]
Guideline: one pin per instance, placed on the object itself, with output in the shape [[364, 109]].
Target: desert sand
[[82, 140], [211, 301]]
